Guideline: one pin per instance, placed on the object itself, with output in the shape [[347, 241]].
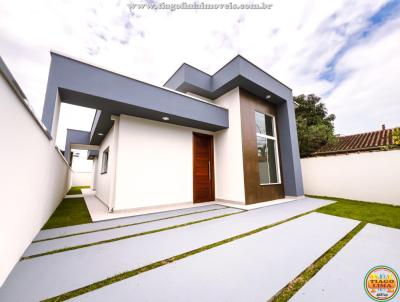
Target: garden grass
[[370, 212], [71, 211], [76, 190]]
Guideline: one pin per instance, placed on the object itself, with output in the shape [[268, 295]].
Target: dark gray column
[[290, 156]]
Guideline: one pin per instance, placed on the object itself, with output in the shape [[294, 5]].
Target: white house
[[230, 136]]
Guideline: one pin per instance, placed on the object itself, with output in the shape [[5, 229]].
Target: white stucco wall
[[94, 171], [154, 164], [104, 181], [153, 161], [229, 175], [34, 178], [82, 178], [368, 176]]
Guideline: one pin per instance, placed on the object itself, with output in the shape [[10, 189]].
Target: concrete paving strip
[[253, 268], [87, 227], [51, 245], [342, 278], [51, 275]]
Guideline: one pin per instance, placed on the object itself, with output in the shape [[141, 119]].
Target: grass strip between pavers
[[128, 274], [127, 236], [294, 286], [126, 225]]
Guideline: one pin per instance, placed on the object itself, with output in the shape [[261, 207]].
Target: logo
[[381, 283]]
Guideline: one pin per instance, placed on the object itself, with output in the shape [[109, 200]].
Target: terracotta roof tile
[[358, 142]]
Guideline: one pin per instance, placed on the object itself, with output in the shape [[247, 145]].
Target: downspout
[[114, 172]]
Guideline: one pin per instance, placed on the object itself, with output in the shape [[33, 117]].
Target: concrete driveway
[[252, 268]]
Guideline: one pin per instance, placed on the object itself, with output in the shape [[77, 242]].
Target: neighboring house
[[369, 141], [230, 136], [362, 166]]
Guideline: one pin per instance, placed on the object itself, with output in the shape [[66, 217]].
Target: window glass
[[104, 161], [262, 160], [264, 124], [267, 149]]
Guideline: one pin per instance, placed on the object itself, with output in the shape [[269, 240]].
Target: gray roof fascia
[[92, 154], [75, 137], [237, 72], [119, 94], [94, 123]]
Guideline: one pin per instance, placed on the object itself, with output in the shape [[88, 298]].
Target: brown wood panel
[[254, 192], [203, 168]]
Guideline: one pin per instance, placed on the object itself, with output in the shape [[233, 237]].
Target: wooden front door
[[203, 168]]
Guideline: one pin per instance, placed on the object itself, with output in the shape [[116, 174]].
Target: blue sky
[[345, 51], [385, 13]]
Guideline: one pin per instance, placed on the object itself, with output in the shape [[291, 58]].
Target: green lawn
[[76, 190], [70, 211], [370, 212]]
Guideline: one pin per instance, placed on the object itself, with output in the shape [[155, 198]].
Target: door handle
[[209, 170]]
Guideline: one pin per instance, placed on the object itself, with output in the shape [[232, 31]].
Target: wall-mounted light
[[101, 134], [268, 96], [165, 118]]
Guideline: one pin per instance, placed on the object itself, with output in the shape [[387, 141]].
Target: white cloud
[[369, 96], [293, 42]]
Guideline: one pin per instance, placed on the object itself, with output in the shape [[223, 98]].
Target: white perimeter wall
[[229, 179], [104, 181], [82, 178], [368, 176], [34, 178]]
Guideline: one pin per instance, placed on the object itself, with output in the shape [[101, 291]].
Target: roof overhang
[[239, 72], [84, 147], [82, 84], [76, 139]]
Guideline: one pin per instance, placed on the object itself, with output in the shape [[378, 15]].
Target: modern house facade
[[230, 136]]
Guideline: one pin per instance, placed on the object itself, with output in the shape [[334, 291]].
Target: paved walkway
[[87, 227], [99, 211], [253, 268], [51, 275], [55, 244], [341, 279]]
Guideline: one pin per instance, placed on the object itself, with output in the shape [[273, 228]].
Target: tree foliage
[[314, 125], [396, 136]]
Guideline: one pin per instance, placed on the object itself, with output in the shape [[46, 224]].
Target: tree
[[314, 125], [396, 136]]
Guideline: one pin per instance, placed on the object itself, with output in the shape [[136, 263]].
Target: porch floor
[[99, 211]]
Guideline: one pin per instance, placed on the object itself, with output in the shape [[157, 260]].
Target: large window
[[104, 161], [268, 163]]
